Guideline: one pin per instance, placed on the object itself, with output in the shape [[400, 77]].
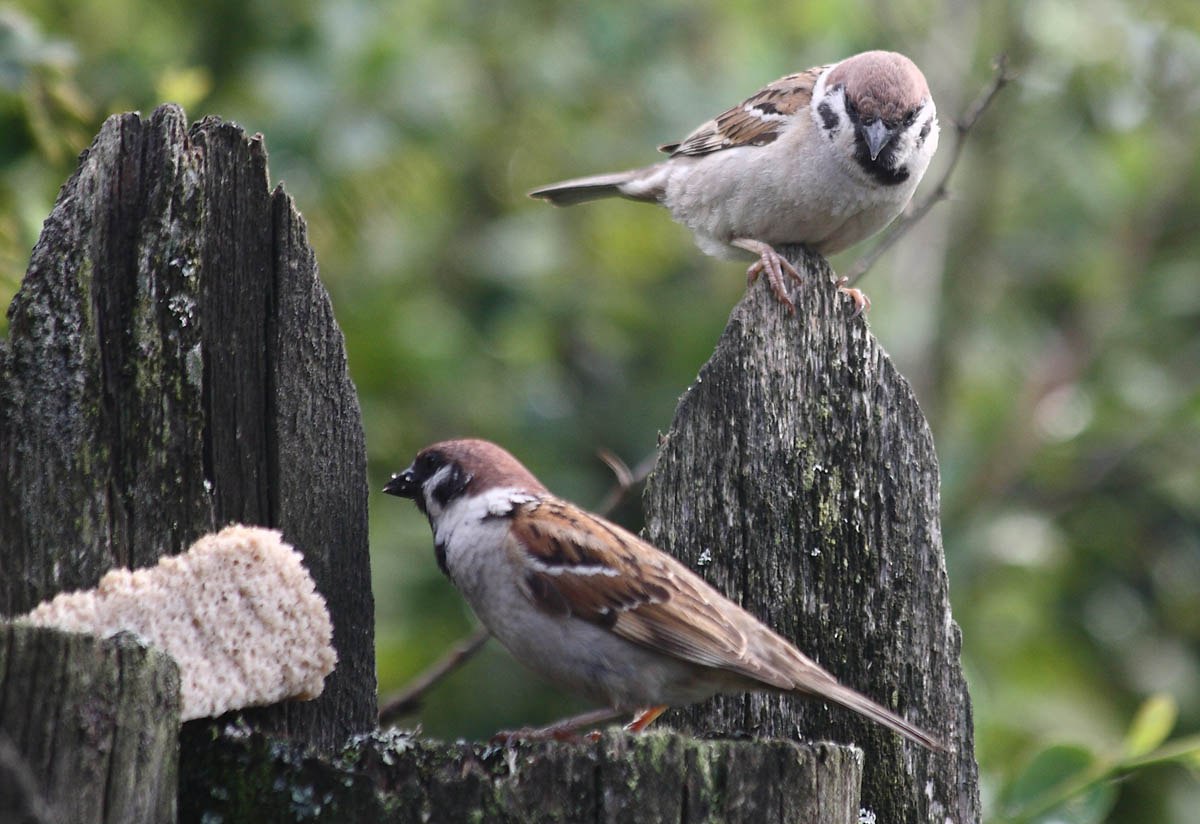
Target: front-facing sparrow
[[824, 158], [592, 607]]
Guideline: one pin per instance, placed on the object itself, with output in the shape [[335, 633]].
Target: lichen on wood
[[396, 776]]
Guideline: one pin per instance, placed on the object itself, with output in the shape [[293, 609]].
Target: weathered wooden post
[[800, 477], [91, 728], [173, 365]]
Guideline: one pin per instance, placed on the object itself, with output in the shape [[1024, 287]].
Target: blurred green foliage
[[1048, 316]]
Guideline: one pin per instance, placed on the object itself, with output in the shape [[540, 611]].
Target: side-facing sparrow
[[592, 607], [825, 158]]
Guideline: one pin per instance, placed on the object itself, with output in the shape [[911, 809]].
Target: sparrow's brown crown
[[881, 85], [481, 465]]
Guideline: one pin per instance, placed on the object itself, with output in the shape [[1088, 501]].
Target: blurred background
[[1048, 314]]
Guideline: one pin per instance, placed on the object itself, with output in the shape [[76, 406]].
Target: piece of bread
[[238, 612]]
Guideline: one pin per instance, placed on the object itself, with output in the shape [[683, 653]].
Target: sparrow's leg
[[644, 718], [862, 303], [564, 730], [771, 262]]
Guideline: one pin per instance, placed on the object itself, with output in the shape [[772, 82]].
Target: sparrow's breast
[[793, 191]]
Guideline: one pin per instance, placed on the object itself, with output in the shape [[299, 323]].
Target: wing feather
[[579, 564], [755, 121]]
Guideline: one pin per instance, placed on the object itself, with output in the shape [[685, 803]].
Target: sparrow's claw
[[565, 730], [508, 738], [862, 303], [773, 264], [644, 718]]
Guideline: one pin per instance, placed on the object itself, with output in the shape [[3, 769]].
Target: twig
[[962, 127], [626, 478], [408, 698]]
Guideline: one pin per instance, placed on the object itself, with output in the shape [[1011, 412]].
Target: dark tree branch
[[626, 479], [409, 698]]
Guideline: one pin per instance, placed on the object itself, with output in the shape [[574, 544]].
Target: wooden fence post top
[[653, 777], [173, 366], [90, 728], [799, 477]]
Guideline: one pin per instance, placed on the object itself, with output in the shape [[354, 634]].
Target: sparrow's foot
[[773, 264], [862, 303], [644, 719], [564, 730]]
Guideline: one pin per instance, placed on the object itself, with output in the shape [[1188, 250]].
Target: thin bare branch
[[1001, 77], [626, 478], [407, 699]]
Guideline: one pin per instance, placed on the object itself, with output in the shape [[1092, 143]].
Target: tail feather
[[776, 663], [858, 702], [627, 184]]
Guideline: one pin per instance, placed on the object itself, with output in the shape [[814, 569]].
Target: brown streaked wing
[[755, 121], [583, 565]]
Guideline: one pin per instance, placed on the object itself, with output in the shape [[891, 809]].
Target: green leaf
[[1090, 806], [1051, 768], [1151, 725], [1064, 784]]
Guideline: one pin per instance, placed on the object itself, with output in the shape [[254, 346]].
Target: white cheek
[[836, 101], [473, 531], [427, 489], [931, 141], [463, 516], [839, 139], [917, 155]]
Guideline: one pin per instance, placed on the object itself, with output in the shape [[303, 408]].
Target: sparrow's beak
[[404, 484], [877, 135]]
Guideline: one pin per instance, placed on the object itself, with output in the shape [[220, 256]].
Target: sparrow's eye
[[911, 118]]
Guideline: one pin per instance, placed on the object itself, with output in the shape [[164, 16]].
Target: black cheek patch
[[828, 116], [924, 133], [451, 486]]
